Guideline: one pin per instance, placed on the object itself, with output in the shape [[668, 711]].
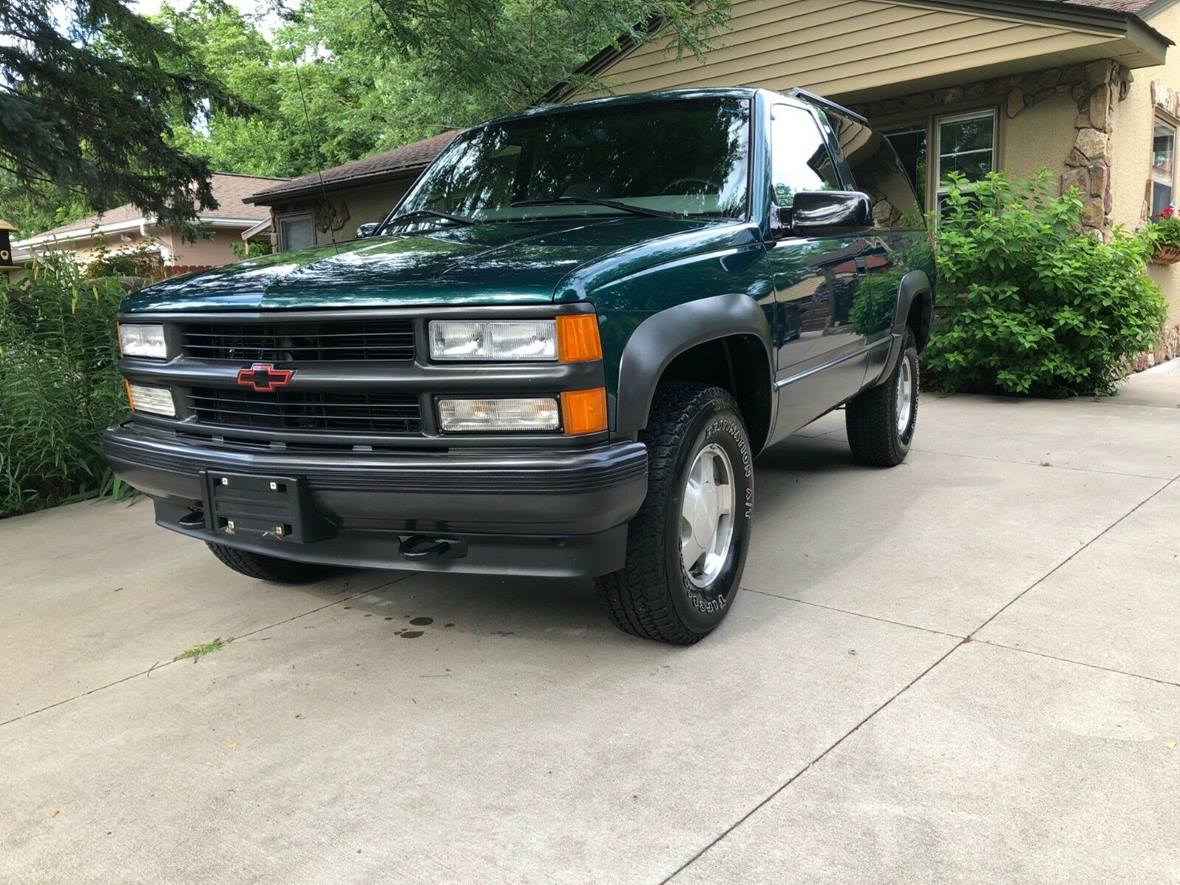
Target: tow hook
[[419, 548]]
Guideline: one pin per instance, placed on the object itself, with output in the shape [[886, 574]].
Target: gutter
[[140, 224]]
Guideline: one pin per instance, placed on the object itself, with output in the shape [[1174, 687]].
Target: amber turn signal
[[577, 338], [583, 411]]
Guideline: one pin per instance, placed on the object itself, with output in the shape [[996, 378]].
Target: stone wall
[[1095, 87]]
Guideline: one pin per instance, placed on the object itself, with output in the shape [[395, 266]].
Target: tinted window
[[800, 160], [686, 156], [877, 172]]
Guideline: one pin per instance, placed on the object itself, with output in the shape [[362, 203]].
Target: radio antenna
[[319, 160]]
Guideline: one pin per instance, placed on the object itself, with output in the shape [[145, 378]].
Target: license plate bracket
[[277, 508]]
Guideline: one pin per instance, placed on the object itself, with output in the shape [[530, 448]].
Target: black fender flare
[[915, 287], [663, 336]]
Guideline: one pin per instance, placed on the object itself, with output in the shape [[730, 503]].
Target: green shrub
[[59, 386], [1031, 303]]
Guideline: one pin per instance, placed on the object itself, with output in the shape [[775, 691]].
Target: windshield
[[682, 157]]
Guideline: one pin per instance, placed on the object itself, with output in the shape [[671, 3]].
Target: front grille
[[359, 413], [358, 340]]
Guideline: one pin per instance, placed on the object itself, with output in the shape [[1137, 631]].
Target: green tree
[[89, 92]]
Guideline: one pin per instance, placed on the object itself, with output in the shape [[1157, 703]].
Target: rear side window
[[879, 173], [799, 156]]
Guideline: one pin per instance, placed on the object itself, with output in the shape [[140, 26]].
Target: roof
[[1132, 7], [230, 191], [1114, 16], [409, 158]]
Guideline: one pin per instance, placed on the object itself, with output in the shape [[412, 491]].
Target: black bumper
[[551, 512]]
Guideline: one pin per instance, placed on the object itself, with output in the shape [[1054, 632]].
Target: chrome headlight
[[508, 340], [138, 339]]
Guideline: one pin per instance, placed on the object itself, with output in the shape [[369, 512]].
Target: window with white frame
[[966, 144], [962, 143], [1163, 167], [296, 232]]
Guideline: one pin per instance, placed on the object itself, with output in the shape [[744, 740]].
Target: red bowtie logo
[[264, 377]]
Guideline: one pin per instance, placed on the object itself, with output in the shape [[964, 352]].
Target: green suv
[[559, 355]]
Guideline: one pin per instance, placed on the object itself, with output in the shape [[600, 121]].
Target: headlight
[[136, 339], [494, 340], [155, 400], [492, 415]]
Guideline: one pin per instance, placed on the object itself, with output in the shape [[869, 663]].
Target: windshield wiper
[[420, 214], [595, 201]]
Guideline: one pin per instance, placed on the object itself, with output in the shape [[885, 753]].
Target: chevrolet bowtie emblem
[[264, 377]]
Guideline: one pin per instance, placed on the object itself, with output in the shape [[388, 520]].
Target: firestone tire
[[881, 421], [269, 568], [698, 451]]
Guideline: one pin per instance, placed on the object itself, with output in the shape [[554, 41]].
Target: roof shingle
[[230, 191], [409, 157], [1134, 7]]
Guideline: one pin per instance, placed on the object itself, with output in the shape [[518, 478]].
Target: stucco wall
[[215, 251], [1038, 137], [1132, 140]]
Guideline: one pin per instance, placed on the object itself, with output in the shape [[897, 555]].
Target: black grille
[[361, 413], [358, 340]]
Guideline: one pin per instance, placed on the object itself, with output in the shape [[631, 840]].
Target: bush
[[59, 386], [1030, 302]]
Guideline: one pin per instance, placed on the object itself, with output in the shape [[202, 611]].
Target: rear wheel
[[269, 568], [881, 420], [686, 547]]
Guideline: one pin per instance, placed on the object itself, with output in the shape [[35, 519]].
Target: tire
[[269, 568], [873, 419], [654, 596]]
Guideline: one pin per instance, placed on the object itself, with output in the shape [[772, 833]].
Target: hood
[[504, 263]]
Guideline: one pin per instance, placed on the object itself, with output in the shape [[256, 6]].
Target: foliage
[[59, 386], [1035, 305], [32, 207], [1165, 229], [140, 261], [90, 90], [510, 52], [335, 81], [340, 81], [253, 250]]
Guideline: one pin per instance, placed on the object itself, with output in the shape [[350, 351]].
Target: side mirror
[[827, 213], [367, 229]]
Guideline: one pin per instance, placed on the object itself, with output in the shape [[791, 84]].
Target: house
[[328, 206], [1089, 89], [126, 228]]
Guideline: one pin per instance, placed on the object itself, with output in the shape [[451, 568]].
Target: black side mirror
[[367, 229], [828, 213]]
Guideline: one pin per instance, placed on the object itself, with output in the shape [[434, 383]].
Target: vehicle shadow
[[509, 607]]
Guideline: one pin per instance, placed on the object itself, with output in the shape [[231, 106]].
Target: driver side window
[[800, 160]]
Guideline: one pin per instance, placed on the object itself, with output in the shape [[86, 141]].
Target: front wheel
[[881, 421], [268, 568], [686, 547]]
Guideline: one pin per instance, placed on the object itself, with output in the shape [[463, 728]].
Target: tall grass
[[59, 386]]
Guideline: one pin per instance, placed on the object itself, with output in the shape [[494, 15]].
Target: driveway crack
[[161, 665], [969, 638]]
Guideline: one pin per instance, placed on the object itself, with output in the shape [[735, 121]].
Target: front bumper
[[548, 512]]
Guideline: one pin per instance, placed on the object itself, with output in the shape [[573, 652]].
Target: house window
[[967, 145], [296, 232], [1163, 174], [963, 143]]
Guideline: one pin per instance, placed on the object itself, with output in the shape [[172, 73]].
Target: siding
[[857, 49]]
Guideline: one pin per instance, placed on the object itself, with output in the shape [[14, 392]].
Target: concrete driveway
[[966, 668]]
